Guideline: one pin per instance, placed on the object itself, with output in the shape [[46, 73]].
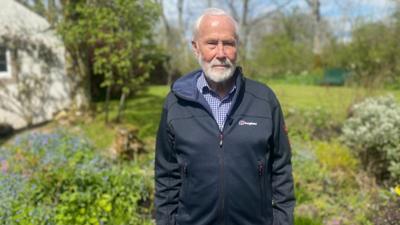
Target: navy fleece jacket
[[240, 176]]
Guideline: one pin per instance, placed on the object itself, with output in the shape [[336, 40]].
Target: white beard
[[217, 75]]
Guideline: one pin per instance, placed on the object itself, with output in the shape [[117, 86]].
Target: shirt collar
[[204, 88]]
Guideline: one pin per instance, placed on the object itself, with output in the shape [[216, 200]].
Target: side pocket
[[184, 174], [260, 170], [182, 214]]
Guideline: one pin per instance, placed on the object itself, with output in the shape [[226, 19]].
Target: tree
[[110, 38], [315, 6], [287, 48], [244, 12], [371, 55], [174, 40], [49, 9]]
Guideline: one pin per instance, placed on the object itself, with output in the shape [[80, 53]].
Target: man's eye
[[230, 43], [212, 45]]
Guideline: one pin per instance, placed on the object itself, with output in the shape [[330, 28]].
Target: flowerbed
[[59, 178]]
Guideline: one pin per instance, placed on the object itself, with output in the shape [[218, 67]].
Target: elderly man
[[222, 153]]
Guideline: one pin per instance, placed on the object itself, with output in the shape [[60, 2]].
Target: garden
[[93, 163], [345, 162]]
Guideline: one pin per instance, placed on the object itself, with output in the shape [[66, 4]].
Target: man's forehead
[[217, 20], [214, 26], [215, 23], [217, 36]]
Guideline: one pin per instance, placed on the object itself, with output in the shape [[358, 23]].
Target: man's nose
[[221, 51]]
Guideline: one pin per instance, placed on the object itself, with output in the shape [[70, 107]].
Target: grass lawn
[[335, 100], [144, 110]]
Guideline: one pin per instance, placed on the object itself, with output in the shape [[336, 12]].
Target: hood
[[185, 86]]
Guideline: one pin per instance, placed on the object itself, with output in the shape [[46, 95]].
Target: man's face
[[216, 47]]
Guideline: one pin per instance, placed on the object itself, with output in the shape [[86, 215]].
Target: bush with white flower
[[373, 133]]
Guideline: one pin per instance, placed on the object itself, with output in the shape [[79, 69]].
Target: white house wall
[[42, 93], [43, 88]]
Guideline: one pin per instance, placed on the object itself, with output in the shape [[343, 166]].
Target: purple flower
[[4, 166]]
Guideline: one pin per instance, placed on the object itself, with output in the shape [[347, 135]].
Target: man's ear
[[195, 48]]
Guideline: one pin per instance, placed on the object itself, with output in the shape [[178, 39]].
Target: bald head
[[213, 17]]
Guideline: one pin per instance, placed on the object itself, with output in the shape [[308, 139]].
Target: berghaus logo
[[247, 123]]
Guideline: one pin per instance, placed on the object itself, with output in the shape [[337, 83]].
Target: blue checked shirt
[[219, 107]]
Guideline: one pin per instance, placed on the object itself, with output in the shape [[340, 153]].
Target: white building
[[33, 80]]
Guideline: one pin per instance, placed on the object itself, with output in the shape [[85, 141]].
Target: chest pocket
[[251, 133]]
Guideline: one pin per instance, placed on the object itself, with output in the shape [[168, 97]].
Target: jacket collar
[[186, 86]]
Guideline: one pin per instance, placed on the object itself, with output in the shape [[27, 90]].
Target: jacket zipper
[[261, 181], [221, 160]]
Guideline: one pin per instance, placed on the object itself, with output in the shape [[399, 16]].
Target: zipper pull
[[221, 140], [185, 169], [260, 169]]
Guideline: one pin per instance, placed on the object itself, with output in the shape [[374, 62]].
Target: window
[[5, 68], [3, 59]]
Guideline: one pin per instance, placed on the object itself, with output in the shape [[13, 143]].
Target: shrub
[[387, 208], [60, 179], [373, 132], [299, 220], [334, 156], [328, 193], [315, 123]]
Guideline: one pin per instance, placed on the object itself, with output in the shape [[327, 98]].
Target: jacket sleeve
[[283, 199], [167, 175]]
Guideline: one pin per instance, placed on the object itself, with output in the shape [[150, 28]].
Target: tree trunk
[[182, 45], [180, 14], [107, 104], [167, 41], [317, 45], [52, 12], [121, 106], [84, 83], [246, 30]]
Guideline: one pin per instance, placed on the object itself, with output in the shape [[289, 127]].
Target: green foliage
[[307, 221], [278, 54], [147, 118], [60, 179], [329, 194], [373, 132], [387, 208], [324, 192], [313, 123], [115, 37], [287, 49], [334, 156], [372, 54]]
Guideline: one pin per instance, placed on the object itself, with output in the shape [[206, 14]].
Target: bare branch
[[164, 18], [232, 8], [270, 13], [180, 15], [245, 12]]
